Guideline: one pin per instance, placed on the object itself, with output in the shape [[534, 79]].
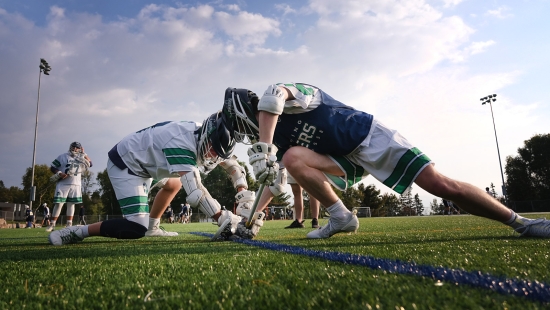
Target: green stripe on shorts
[[59, 199], [133, 205], [74, 199], [353, 173], [406, 170]]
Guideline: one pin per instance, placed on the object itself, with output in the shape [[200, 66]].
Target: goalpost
[[363, 212]]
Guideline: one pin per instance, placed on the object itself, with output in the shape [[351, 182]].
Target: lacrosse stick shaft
[[255, 205]]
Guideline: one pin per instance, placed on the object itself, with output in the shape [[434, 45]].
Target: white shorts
[[67, 193], [386, 155], [132, 194]]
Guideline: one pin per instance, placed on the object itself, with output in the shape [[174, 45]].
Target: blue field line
[[517, 287]]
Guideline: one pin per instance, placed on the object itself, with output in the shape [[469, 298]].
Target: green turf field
[[189, 272]]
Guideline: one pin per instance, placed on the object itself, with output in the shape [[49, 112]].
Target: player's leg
[[308, 169], [476, 201], [55, 214], [162, 200], [298, 205], [70, 214], [314, 207], [470, 198]]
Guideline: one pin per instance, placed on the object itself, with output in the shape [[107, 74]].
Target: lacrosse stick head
[[215, 142], [239, 113]]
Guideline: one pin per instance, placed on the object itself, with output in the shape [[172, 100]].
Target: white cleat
[[347, 223], [535, 228], [160, 232], [50, 228], [66, 236]]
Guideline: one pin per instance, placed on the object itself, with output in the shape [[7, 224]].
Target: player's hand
[[264, 162], [245, 200]]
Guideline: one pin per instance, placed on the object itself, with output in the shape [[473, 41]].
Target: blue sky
[[419, 66]]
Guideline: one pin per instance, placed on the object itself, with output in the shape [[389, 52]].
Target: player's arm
[[262, 154], [270, 108], [57, 174]]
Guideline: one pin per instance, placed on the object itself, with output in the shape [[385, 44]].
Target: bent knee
[[293, 156]]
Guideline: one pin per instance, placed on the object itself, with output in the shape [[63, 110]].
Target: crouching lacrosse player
[[67, 171], [171, 152]]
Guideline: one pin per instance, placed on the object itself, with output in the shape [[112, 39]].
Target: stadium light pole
[[44, 67], [488, 99]]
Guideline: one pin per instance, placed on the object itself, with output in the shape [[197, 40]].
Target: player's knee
[[173, 184], [293, 157], [122, 229]]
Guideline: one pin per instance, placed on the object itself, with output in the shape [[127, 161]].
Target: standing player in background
[[323, 142], [67, 169], [46, 212], [171, 152], [297, 191]]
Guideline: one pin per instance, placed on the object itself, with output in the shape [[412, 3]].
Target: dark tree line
[[528, 173]]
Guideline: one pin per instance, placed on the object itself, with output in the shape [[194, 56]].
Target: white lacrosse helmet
[[239, 113], [75, 148]]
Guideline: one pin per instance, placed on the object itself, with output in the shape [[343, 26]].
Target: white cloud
[[501, 12], [391, 58]]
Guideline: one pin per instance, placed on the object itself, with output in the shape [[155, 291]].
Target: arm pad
[[272, 101], [235, 171], [197, 194]]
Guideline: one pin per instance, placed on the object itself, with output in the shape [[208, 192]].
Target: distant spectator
[[29, 217], [82, 216], [489, 192], [184, 214], [170, 215], [46, 212]]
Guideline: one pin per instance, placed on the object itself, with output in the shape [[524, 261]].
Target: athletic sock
[[69, 223], [85, 233], [337, 209], [153, 223], [515, 220], [52, 223]]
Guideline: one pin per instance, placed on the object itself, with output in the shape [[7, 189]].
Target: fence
[[530, 206]]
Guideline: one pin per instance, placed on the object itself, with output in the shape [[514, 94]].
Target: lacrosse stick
[[255, 206]]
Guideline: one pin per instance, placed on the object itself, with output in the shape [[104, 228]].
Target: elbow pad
[[272, 101], [197, 194], [235, 171]]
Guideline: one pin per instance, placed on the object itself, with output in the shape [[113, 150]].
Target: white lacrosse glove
[[250, 233], [245, 200], [56, 177], [263, 160], [228, 223]]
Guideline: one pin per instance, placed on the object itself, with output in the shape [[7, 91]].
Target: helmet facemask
[[239, 113], [75, 149], [215, 143]]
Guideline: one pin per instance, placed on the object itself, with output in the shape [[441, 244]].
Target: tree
[[407, 203], [371, 197], [437, 208], [12, 194], [45, 189], [352, 197], [390, 205], [418, 205], [107, 194], [528, 173]]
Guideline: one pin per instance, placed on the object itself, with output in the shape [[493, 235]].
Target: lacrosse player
[[171, 152], [67, 171], [323, 142]]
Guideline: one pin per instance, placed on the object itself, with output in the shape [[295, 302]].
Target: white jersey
[[159, 151], [306, 98], [72, 166]]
